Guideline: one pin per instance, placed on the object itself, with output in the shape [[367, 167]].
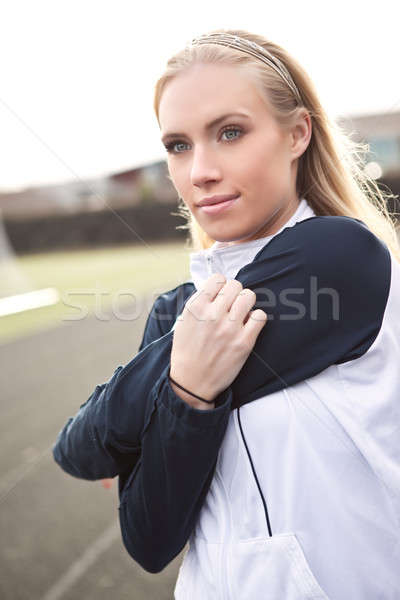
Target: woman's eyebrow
[[208, 126]]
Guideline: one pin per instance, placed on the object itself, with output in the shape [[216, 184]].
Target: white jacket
[[305, 499]]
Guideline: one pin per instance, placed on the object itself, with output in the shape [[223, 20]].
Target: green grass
[[95, 280]]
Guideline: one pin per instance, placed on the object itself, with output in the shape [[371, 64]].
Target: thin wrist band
[[191, 393]]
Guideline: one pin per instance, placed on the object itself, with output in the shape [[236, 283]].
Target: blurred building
[[139, 186], [382, 133], [148, 184]]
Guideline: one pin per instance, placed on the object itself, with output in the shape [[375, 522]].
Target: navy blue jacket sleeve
[[91, 444], [324, 284], [163, 450], [162, 496], [81, 448]]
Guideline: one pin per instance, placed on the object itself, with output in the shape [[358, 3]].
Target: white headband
[[234, 41]]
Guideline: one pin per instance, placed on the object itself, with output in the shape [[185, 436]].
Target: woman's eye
[[231, 130], [172, 147]]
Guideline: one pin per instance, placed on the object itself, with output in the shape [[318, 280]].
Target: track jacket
[[290, 488]]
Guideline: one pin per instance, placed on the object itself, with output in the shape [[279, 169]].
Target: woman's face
[[246, 155]]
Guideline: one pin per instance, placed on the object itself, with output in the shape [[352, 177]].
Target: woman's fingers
[[255, 321], [241, 305], [227, 296], [212, 286], [214, 320], [205, 294]]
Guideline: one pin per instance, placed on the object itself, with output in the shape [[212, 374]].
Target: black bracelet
[[191, 393]]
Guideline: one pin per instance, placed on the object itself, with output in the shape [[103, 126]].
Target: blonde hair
[[331, 174]]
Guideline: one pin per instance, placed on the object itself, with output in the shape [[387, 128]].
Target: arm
[[339, 273], [175, 445], [164, 450], [79, 450], [161, 497], [324, 284], [89, 445]]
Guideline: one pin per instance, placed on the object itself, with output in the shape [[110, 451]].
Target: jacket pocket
[[305, 576], [272, 568]]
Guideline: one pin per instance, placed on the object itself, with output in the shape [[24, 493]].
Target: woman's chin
[[232, 237]]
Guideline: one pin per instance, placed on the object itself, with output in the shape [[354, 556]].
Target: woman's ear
[[301, 133]]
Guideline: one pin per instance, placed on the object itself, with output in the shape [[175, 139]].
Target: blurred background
[[88, 237]]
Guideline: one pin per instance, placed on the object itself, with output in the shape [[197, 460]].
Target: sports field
[[93, 281], [62, 534]]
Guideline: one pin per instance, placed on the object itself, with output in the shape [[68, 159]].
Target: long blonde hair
[[331, 174]]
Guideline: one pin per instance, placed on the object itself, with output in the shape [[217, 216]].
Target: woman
[[268, 439]]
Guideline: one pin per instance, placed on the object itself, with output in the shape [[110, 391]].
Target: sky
[[78, 76]]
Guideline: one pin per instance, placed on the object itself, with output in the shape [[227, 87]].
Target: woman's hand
[[213, 337]]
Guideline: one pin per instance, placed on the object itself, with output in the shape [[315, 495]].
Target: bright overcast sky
[[77, 76]]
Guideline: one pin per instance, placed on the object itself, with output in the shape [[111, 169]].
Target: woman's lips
[[219, 207]]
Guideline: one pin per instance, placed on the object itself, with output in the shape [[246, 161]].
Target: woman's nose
[[204, 167]]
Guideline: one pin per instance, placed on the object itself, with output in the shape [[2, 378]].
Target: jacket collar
[[228, 260]]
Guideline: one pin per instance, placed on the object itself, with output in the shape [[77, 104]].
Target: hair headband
[[234, 41]]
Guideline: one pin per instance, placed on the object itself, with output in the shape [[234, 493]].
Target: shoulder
[[340, 273], [347, 257], [331, 235], [348, 254], [341, 249], [334, 236]]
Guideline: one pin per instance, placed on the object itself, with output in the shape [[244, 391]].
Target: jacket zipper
[[226, 515], [225, 511], [224, 586], [228, 529]]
